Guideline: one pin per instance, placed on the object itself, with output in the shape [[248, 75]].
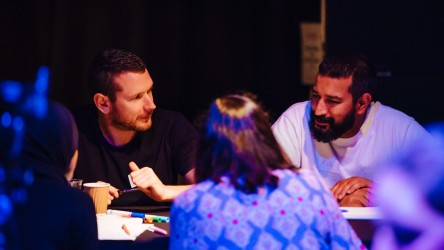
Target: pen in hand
[[120, 192]]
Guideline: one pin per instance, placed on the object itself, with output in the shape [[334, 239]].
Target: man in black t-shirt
[[124, 130]]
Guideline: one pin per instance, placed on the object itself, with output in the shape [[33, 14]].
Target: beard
[[118, 121], [334, 129]]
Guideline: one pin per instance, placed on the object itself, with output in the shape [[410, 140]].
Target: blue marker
[[126, 213]]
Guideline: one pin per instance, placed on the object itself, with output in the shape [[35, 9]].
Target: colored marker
[[158, 230], [158, 218], [125, 213], [148, 217]]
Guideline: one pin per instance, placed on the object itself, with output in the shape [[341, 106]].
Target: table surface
[[146, 240], [363, 226]]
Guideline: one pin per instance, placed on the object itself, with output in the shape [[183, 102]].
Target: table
[[147, 240], [362, 221]]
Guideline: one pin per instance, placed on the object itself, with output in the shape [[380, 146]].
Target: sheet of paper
[[361, 213], [110, 227]]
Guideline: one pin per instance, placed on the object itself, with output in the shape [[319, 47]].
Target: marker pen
[[125, 213]]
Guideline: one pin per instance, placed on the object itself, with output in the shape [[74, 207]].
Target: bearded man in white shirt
[[342, 133]]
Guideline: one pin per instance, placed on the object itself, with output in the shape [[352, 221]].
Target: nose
[[149, 102], [319, 108]]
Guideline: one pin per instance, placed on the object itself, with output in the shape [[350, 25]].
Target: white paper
[[110, 227], [131, 182], [361, 213]]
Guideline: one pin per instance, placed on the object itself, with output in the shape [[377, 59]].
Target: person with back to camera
[[341, 132], [55, 215], [410, 192], [248, 195], [124, 130]]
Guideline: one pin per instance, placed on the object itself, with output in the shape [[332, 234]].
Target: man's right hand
[[112, 194], [362, 197]]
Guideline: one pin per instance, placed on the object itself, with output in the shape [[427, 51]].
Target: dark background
[[198, 50]]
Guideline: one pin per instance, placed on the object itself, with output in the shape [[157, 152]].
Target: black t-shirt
[[167, 147]]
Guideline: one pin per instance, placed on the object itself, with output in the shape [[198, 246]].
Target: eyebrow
[[332, 97]]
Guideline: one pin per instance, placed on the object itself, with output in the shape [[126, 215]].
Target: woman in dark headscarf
[[55, 215]]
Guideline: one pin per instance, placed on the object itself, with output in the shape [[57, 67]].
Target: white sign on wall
[[312, 51]]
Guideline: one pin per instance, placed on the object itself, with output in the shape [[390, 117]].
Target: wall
[[405, 41], [194, 50]]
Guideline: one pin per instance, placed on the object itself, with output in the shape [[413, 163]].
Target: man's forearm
[[171, 191]]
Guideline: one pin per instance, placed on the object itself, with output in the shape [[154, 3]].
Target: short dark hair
[[108, 64], [236, 141], [351, 64]]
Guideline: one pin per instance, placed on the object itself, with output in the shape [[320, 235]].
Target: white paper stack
[[110, 227]]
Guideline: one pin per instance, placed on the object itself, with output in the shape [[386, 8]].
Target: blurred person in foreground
[[124, 129], [248, 195], [410, 193], [55, 216], [342, 132]]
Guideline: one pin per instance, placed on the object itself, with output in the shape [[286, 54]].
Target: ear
[[102, 103], [363, 103]]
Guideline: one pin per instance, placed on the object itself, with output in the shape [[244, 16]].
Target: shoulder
[[80, 196], [295, 113], [389, 113], [173, 123], [77, 197], [73, 200], [387, 117], [297, 109], [294, 117], [82, 207]]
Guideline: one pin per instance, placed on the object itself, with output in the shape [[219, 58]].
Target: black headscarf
[[50, 142]]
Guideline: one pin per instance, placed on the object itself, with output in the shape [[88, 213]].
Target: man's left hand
[[148, 182], [348, 186]]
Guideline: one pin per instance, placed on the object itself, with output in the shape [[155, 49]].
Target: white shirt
[[385, 134]]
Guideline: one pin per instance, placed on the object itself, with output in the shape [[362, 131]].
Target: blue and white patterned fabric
[[299, 214]]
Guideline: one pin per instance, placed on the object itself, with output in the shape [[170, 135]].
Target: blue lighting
[[19, 195], [42, 80], [6, 119], [2, 173], [5, 208], [2, 239], [11, 91], [18, 124], [28, 177]]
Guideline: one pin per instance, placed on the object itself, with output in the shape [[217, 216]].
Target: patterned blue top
[[299, 214]]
